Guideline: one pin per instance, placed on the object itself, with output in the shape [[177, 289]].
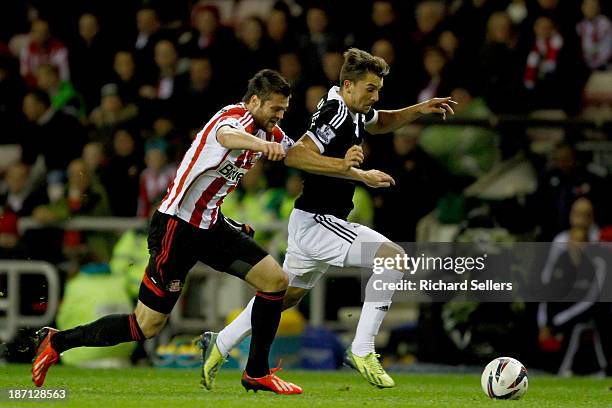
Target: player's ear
[[347, 85], [255, 101]]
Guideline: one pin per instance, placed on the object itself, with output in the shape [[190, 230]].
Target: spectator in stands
[[111, 113], [499, 68], [279, 30], [382, 24], [317, 40], [395, 89], [90, 60], [125, 76], [208, 37], [95, 159], [122, 174], [477, 12], [429, 15], [314, 93], [148, 34], [290, 67], [437, 77], [155, 178], [207, 34], [571, 261], [18, 199], [178, 142], [595, 32], [255, 47], [56, 136], [83, 196], [162, 93], [43, 48], [561, 185], [166, 60], [331, 63], [461, 56], [200, 97], [63, 95], [553, 78]]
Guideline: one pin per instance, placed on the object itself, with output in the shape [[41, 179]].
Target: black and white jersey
[[334, 129]]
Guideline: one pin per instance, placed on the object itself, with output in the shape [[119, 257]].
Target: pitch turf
[[147, 387]]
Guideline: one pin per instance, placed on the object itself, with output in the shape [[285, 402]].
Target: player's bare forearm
[[232, 138], [391, 120], [304, 155]]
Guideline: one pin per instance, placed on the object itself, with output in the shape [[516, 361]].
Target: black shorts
[[174, 248]]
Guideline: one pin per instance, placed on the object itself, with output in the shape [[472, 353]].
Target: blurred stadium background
[[100, 99]]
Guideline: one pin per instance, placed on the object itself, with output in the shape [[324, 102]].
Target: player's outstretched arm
[[390, 120], [232, 138]]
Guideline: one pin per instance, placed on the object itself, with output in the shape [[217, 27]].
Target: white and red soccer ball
[[504, 378]]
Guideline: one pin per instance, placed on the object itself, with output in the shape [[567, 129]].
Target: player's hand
[[273, 151], [377, 179], [353, 157], [440, 106]]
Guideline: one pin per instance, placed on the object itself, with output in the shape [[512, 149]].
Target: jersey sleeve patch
[[325, 133], [325, 123], [231, 121]]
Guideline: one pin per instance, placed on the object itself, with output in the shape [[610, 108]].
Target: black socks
[[265, 317], [106, 331]]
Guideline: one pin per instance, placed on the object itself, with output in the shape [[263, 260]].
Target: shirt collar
[[333, 93]]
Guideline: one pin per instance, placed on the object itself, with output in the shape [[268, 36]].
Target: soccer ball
[[504, 378]]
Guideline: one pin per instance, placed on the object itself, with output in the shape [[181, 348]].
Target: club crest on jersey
[[325, 133], [230, 171], [174, 286]]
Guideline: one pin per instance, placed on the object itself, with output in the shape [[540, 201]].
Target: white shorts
[[318, 241]]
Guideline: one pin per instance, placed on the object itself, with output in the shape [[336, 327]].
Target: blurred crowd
[[100, 99]]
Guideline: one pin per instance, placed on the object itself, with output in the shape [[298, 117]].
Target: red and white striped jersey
[[209, 171]]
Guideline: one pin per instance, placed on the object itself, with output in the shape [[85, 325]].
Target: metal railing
[[10, 296]]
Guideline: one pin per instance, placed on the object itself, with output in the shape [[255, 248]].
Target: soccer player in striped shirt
[[319, 234], [189, 227]]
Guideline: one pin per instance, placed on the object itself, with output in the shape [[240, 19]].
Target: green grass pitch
[[147, 387]]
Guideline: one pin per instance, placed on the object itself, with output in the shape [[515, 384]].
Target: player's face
[[268, 113], [364, 93]]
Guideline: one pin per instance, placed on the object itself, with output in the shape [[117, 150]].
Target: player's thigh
[[172, 254], [303, 272], [149, 320], [368, 245]]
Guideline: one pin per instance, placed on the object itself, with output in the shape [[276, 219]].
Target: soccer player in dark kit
[[319, 234]]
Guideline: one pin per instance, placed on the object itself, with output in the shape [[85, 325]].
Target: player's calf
[[148, 320]]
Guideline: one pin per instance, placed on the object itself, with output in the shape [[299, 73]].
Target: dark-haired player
[[189, 227]]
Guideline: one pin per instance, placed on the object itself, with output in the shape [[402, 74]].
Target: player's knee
[[391, 250], [280, 281]]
